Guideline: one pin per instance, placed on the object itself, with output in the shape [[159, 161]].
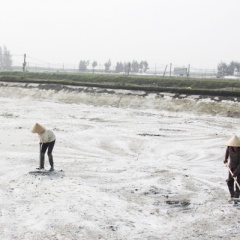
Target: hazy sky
[[197, 32]]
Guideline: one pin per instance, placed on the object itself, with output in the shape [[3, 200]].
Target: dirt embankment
[[178, 93]]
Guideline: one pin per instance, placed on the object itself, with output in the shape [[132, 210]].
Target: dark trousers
[[234, 191], [49, 148]]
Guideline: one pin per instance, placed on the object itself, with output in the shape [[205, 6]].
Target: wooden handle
[[235, 179]]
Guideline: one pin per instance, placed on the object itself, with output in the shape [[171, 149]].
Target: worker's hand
[[225, 161]]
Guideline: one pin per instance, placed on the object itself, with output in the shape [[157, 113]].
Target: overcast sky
[[197, 32]]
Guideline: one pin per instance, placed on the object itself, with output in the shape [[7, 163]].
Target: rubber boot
[[42, 161], [50, 157], [231, 191], [237, 192], [230, 183]]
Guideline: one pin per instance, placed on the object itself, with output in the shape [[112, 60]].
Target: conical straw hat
[[37, 128], [233, 142]]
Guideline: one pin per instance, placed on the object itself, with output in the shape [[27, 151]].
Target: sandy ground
[[131, 170]]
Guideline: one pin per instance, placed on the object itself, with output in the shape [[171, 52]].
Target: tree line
[[121, 67], [5, 59], [225, 69]]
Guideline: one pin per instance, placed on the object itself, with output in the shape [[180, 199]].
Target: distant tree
[[141, 66], [83, 65], [107, 65], [231, 68], [119, 67], [127, 68], [222, 69], [237, 66], [145, 66], [6, 59], [94, 64], [225, 69], [135, 66]]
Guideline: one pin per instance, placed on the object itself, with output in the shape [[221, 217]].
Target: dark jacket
[[234, 163]]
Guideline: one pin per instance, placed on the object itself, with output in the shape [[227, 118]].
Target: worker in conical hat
[[47, 142], [233, 153], [37, 128]]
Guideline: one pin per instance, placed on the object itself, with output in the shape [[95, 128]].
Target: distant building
[[236, 73], [180, 72]]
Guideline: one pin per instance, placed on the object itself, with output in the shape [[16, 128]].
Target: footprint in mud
[[113, 228], [178, 203], [155, 191]]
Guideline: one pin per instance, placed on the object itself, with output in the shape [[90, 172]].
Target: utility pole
[[24, 63], [165, 70], [170, 69], [129, 67], [188, 73]]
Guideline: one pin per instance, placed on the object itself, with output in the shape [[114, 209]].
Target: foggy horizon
[[201, 33]]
